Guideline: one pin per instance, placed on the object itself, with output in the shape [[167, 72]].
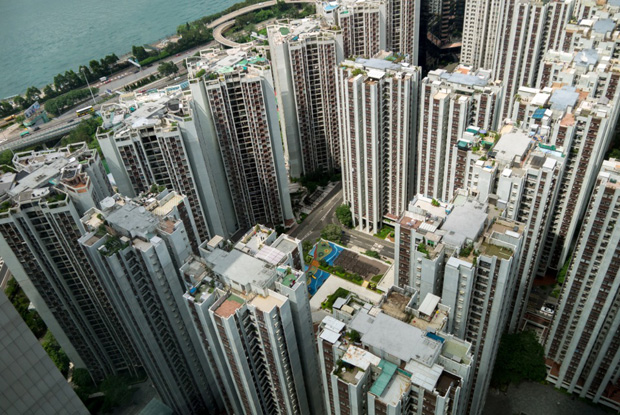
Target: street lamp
[[87, 83]]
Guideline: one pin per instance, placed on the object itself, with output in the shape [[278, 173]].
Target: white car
[[548, 309]]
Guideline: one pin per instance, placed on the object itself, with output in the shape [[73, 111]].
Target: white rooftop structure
[[429, 304], [240, 268], [395, 337], [271, 255], [330, 336], [512, 147], [333, 324], [465, 223], [360, 358], [424, 376], [332, 329]]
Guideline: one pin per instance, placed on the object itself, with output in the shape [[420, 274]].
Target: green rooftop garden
[[55, 197], [495, 250], [329, 302], [5, 206], [113, 245]]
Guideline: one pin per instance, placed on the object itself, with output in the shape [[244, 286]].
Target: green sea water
[[40, 38]]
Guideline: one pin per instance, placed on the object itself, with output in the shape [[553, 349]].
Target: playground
[[326, 251]]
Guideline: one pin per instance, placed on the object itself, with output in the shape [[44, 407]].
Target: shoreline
[[128, 53]]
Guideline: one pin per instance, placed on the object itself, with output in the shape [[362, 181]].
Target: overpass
[[221, 24], [37, 138]]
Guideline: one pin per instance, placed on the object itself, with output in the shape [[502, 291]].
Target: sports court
[[316, 278], [326, 251], [322, 251]]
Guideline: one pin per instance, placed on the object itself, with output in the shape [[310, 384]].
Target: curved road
[[131, 75], [225, 22]]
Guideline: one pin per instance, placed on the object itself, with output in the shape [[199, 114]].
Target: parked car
[[548, 308]]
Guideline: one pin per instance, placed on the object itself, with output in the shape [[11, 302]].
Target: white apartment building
[[137, 255], [377, 110], [304, 54], [379, 364], [582, 349], [41, 205], [235, 106], [450, 102], [250, 308]]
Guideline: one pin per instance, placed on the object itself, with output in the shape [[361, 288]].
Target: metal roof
[[395, 337], [604, 26], [428, 305]]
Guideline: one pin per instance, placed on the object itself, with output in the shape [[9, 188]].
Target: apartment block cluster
[[492, 173]]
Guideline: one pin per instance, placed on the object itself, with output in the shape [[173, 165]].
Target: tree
[[139, 53], [615, 154], [95, 66], [33, 93], [58, 356], [85, 71], [355, 336], [49, 92], [372, 254], [110, 60], [6, 108], [85, 132], [168, 68], [332, 232], [116, 391], [520, 357], [6, 157], [306, 246], [343, 213], [20, 102], [83, 383]]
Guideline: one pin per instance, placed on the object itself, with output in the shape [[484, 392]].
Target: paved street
[[310, 228], [531, 398]]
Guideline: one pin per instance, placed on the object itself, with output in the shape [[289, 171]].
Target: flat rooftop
[[395, 337], [359, 357], [394, 305], [228, 307], [423, 375], [167, 204], [269, 302], [512, 147], [398, 386], [380, 64], [240, 267], [466, 222], [465, 79], [133, 220], [564, 97]]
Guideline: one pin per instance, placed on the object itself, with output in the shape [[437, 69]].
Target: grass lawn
[[384, 232], [376, 279]]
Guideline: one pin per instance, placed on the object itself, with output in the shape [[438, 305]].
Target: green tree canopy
[[307, 247], [343, 213], [139, 52], [58, 356], [116, 391], [373, 254], [168, 68], [520, 357], [332, 232]]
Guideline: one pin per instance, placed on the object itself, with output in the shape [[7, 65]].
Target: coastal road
[[128, 76], [325, 214]]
